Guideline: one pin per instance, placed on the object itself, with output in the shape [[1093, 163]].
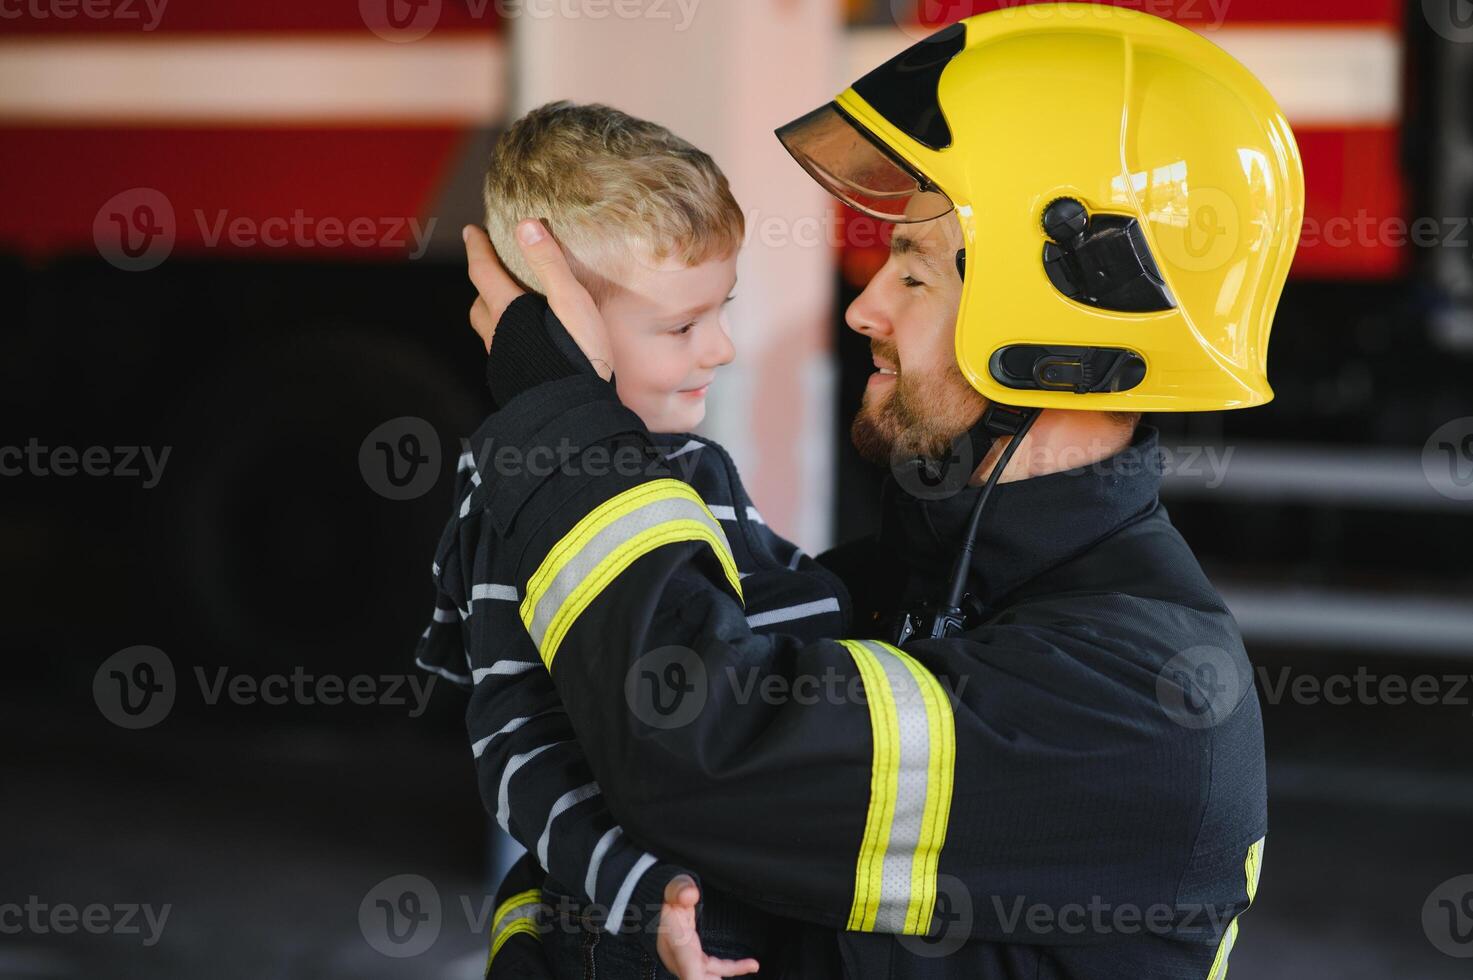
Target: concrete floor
[[265, 842]]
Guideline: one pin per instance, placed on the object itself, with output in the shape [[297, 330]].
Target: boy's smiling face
[[668, 334]]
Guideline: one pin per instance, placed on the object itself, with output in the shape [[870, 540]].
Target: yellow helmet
[[1130, 199]]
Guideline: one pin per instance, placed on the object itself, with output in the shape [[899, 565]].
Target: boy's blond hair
[[611, 188]]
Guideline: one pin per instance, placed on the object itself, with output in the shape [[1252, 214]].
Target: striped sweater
[[533, 776]]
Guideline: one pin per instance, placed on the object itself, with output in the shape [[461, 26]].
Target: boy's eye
[[678, 331], [910, 282]]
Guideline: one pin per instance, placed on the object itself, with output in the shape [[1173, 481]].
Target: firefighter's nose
[[866, 315]]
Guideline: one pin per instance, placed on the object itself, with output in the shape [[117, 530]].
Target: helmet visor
[[852, 165]]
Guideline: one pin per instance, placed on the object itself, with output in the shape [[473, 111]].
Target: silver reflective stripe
[[502, 667], [590, 880], [503, 804], [491, 591], [910, 794], [797, 557], [789, 613], [660, 510], [621, 900], [465, 462], [454, 678], [571, 798], [724, 513], [445, 616], [479, 746], [689, 447]]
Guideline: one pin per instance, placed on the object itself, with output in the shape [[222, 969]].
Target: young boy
[[651, 229]]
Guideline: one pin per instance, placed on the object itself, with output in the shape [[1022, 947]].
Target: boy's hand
[[680, 946], [565, 294]]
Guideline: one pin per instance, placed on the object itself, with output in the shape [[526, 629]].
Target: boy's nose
[[719, 350]]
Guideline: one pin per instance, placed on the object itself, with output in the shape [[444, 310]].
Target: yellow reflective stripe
[[942, 770], [524, 902], [519, 927], [605, 543], [1252, 868], [911, 782], [884, 786]]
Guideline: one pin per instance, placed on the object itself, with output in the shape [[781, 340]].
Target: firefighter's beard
[[921, 414]]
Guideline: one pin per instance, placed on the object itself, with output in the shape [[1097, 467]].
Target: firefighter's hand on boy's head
[[679, 943], [565, 294]]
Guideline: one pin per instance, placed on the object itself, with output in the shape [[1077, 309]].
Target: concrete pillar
[[723, 74]]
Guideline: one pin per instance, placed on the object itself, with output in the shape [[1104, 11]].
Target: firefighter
[[1040, 754]]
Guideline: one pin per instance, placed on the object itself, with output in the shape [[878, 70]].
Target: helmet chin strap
[[940, 619]]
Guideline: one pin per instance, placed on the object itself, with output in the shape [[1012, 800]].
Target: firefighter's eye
[[910, 282]]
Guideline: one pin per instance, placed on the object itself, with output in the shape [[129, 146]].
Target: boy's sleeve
[[749, 755], [518, 926], [533, 776]]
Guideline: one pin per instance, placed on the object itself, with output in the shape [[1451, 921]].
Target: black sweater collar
[[1029, 526]]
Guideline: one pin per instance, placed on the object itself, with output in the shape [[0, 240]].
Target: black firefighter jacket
[[1074, 788]]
